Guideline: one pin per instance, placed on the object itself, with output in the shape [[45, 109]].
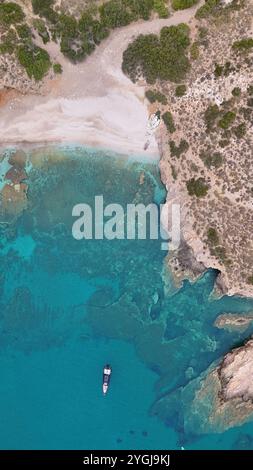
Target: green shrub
[[176, 151], [223, 143], [219, 252], [218, 71], [210, 116], [212, 236], [161, 57], [236, 91], [180, 90], [183, 4], [11, 13], [250, 279], [194, 51], [240, 130], [250, 89], [197, 187], [168, 121], [161, 8], [40, 26], [173, 172], [68, 26], [35, 60], [247, 113], [24, 32], [250, 102], [154, 95], [114, 14], [7, 47], [244, 44], [41, 5], [227, 119], [211, 159], [209, 8], [57, 68]]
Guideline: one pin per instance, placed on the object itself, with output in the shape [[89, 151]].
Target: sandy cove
[[91, 103]]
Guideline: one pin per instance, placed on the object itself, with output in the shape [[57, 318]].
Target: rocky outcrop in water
[[222, 397]]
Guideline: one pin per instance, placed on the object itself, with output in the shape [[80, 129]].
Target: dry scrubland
[[206, 150]]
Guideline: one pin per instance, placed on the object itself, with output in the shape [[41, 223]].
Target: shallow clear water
[[68, 307]]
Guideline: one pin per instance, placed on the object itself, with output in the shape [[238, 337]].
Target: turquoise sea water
[[67, 307]]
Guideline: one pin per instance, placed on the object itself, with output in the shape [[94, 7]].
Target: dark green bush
[[197, 187], [209, 8], [250, 279], [11, 13], [7, 47], [161, 8], [155, 95], [240, 130], [168, 121], [24, 32], [244, 44], [161, 57], [35, 60], [176, 151], [211, 159], [57, 68], [41, 5], [210, 116], [183, 4], [212, 236], [114, 14], [250, 89], [227, 119], [194, 51], [40, 26], [180, 90], [236, 91], [218, 71]]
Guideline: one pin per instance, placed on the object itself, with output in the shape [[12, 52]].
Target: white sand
[[92, 103]]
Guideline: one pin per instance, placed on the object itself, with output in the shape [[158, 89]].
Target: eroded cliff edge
[[206, 157]]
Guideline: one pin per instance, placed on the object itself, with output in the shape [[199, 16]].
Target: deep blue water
[[68, 307]]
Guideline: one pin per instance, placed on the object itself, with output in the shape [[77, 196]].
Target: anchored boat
[[106, 378]]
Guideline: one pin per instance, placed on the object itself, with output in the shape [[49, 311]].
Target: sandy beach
[[91, 103]]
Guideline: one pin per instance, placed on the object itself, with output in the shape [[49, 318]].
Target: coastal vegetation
[[168, 121], [42, 30], [244, 44], [155, 95], [197, 187], [159, 57], [209, 8], [180, 90], [57, 68], [10, 13], [183, 4], [177, 151], [211, 159], [212, 236], [194, 50], [240, 130], [227, 119], [35, 60], [210, 116], [236, 91], [18, 40]]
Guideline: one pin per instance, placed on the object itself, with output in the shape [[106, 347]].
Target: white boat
[[106, 378]]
